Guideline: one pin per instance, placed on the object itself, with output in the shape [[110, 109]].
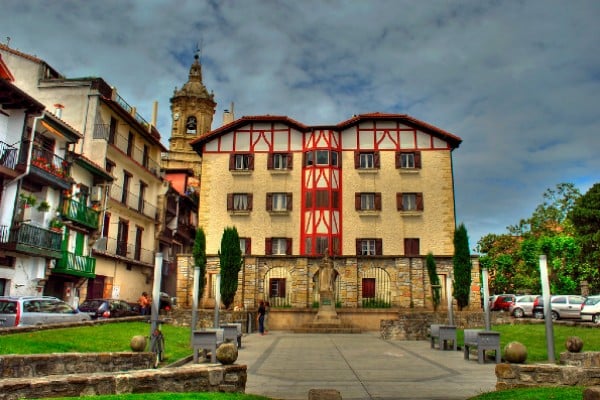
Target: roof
[[406, 119], [11, 97], [92, 167], [59, 127], [28, 57]]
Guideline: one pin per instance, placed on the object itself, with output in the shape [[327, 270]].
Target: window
[[130, 144], [138, 242], [141, 199], [122, 233], [112, 130], [409, 201], [369, 247], [190, 125], [322, 198], [245, 246], [322, 245], [279, 202], [110, 166], [411, 247], [239, 202], [126, 180], [241, 162], [366, 160], [145, 156], [279, 161], [368, 288], [277, 287], [408, 159], [321, 157], [368, 201], [278, 246]]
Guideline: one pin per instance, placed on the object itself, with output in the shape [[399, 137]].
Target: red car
[[502, 302]]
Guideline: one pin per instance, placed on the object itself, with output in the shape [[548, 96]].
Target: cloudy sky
[[518, 81]]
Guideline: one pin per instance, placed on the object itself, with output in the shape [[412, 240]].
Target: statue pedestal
[[327, 314]]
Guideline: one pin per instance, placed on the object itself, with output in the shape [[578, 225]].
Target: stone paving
[[285, 365]]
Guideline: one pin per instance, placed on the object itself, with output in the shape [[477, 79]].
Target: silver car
[[37, 310], [591, 309], [523, 306], [561, 306]]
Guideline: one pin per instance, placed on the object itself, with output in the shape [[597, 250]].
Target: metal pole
[[547, 308], [217, 300], [196, 286], [158, 260], [486, 299], [449, 298]]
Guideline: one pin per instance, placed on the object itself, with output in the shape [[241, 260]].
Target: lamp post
[[547, 310], [196, 288], [217, 300], [486, 298]]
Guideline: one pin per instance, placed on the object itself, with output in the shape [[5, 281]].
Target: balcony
[[46, 167], [80, 214], [30, 239], [8, 160], [77, 265], [127, 252], [132, 201]]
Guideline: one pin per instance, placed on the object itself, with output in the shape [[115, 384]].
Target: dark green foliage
[[199, 253], [375, 303], [585, 217], [434, 280], [230, 257], [462, 267]]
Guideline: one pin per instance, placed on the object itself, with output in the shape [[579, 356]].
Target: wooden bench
[[233, 332], [205, 340], [444, 334], [483, 340]]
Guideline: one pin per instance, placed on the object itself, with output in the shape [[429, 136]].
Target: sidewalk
[[284, 365]]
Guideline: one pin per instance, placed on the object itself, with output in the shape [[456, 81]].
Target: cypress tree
[[199, 253], [434, 280], [462, 267], [230, 257]]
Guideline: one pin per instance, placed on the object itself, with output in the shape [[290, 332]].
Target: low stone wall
[[190, 378], [37, 365], [414, 325], [576, 369]]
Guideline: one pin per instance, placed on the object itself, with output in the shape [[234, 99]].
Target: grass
[[176, 396], [545, 393]]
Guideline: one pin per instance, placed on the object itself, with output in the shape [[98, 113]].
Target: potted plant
[[28, 200], [56, 225], [44, 206]]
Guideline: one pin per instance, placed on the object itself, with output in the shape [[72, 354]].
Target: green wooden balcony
[[79, 213], [31, 239], [73, 264]]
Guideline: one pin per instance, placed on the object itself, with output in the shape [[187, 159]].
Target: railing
[[46, 161], [120, 101], [101, 131], [79, 212], [137, 154], [132, 201], [127, 250], [8, 155], [77, 265], [28, 237]]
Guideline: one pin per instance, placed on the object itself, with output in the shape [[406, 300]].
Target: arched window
[[191, 125]]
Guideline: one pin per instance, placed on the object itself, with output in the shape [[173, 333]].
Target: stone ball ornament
[[515, 352], [227, 353], [138, 343], [574, 344]]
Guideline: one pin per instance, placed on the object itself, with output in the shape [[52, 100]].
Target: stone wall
[[190, 378], [36, 365]]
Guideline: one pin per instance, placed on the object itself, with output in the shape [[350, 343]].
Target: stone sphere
[[227, 353], [574, 344], [138, 343], [515, 352]]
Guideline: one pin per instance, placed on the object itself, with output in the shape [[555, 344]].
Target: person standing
[[144, 303], [267, 310], [260, 317]]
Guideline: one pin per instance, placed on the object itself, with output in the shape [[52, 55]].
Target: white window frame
[[242, 162], [243, 246], [367, 201], [280, 161], [367, 247], [240, 202], [279, 246], [366, 160], [407, 160], [409, 202], [279, 202]]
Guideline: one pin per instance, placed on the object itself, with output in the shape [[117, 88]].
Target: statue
[[326, 274]]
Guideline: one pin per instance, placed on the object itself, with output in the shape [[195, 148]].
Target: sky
[[517, 80]]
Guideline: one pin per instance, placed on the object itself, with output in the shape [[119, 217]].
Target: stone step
[[321, 328]]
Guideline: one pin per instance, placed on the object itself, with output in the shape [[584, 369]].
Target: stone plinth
[[327, 314]]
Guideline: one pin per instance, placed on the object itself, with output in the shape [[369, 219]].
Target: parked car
[[523, 306], [166, 301], [108, 308], [562, 306], [502, 302], [37, 310], [591, 309]]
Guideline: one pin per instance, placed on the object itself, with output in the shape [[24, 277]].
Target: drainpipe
[[28, 161]]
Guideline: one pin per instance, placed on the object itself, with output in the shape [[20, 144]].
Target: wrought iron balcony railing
[[128, 251], [31, 239], [77, 265], [132, 201], [78, 212], [8, 155]]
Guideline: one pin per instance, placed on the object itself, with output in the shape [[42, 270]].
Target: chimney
[[58, 110], [228, 116], [154, 112]]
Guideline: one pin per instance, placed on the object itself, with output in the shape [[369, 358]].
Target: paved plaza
[[285, 365]]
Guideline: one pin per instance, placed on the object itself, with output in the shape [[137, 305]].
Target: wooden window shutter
[[376, 159], [231, 161], [248, 249], [229, 201], [251, 162], [268, 246], [417, 159], [281, 287], [288, 246], [378, 247], [269, 201], [270, 161], [398, 159], [357, 200], [249, 201], [399, 205], [419, 201], [358, 247], [290, 160], [289, 201], [356, 159], [378, 201]]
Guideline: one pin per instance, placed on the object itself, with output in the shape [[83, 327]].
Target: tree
[[462, 267], [585, 217], [230, 257], [434, 280], [199, 253]]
